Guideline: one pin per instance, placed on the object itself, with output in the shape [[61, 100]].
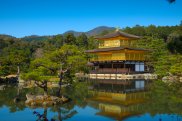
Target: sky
[[50, 17]]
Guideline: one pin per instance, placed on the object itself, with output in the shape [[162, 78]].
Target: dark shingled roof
[[114, 49], [117, 34]]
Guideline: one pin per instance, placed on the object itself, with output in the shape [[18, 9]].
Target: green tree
[[66, 61], [59, 41], [92, 43], [69, 38], [82, 41], [157, 51], [151, 31], [70, 58], [15, 55], [136, 30], [175, 42]]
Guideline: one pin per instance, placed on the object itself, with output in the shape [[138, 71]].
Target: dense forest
[[47, 54]]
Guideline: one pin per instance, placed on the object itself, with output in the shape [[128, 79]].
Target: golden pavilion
[[117, 57], [117, 54]]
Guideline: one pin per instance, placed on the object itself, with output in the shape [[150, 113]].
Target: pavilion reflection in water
[[119, 100]]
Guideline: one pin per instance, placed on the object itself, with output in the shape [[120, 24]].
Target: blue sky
[[48, 17]]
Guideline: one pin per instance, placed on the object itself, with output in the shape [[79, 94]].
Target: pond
[[85, 106]]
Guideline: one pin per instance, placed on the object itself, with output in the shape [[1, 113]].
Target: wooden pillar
[[98, 68], [112, 67], [112, 87], [121, 88], [124, 67], [124, 85]]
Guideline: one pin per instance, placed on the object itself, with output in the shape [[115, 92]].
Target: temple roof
[[118, 34], [113, 49]]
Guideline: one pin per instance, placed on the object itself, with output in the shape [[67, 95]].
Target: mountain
[[36, 38], [75, 33], [99, 30], [93, 32], [5, 37]]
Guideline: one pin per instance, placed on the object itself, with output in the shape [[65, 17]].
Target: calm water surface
[[84, 108]]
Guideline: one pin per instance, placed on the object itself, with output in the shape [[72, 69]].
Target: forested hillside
[[164, 41]]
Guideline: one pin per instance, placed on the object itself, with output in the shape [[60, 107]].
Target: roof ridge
[[118, 33]]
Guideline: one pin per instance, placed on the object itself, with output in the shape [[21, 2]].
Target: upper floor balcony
[[120, 57], [117, 43]]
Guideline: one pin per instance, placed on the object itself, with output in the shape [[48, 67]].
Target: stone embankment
[[10, 79], [171, 79]]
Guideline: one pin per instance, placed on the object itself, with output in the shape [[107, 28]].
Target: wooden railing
[[139, 57]]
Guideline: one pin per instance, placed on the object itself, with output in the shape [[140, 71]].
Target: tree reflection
[[63, 113], [164, 98], [77, 92], [7, 98]]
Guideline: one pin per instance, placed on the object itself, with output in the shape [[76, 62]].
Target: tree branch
[[40, 85], [51, 69]]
